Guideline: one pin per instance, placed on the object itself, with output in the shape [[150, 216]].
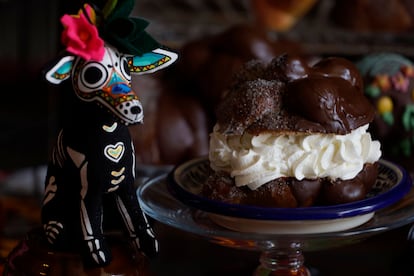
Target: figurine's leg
[[135, 221], [90, 213], [91, 223], [51, 213], [97, 248]]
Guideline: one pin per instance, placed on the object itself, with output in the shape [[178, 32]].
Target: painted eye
[[92, 77], [125, 68]]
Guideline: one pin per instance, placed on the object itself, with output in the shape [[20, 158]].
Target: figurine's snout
[[136, 110], [131, 111]]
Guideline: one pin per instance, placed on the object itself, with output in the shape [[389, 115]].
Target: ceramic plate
[[185, 183], [290, 226], [186, 180], [157, 202]]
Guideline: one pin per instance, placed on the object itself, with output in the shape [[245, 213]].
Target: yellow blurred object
[[280, 15], [384, 105]]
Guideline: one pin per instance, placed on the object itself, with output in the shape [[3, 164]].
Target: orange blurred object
[[280, 15]]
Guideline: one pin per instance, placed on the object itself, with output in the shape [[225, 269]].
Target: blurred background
[[31, 38], [30, 31]]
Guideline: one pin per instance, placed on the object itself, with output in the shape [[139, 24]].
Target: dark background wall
[[30, 33]]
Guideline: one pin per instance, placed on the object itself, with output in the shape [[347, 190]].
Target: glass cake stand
[[282, 239]]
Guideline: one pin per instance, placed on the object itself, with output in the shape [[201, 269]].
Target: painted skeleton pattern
[[92, 169]]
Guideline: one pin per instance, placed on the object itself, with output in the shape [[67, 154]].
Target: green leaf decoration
[[408, 117], [372, 91], [388, 118]]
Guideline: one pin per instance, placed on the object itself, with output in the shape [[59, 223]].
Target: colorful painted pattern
[[390, 86]]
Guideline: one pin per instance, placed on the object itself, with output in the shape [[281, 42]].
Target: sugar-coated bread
[[293, 135]]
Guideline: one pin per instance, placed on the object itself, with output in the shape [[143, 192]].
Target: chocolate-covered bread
[[290, 96], [179, 102], [289, 135], [290, 192]]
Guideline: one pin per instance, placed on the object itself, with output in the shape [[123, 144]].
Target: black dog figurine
[[92, 169]]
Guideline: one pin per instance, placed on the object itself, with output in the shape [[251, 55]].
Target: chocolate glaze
[[289, 192], [331, 102], [287, 95], [343, 191]]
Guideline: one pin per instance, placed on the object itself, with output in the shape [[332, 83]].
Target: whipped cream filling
[[256, 160]]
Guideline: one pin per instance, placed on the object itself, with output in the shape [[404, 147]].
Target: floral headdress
[[84, 33]]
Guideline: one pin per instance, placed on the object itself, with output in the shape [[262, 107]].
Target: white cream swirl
[[255, 160]]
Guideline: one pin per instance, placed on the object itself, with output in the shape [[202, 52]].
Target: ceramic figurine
[[91, 172]]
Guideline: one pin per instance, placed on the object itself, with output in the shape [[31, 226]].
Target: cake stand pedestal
[[281, 254], [282, 262]]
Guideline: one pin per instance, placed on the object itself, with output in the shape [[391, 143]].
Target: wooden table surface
[[182, 253], [188, 254]]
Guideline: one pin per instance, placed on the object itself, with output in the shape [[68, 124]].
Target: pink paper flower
[[81, 37], [400, 82]]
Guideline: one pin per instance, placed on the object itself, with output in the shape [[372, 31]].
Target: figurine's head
[[100, 71]]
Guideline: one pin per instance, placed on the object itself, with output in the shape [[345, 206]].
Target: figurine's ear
[[151, 61], [61, 70]]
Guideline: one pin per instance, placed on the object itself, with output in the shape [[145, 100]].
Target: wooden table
[[182, 253], [187, 254]]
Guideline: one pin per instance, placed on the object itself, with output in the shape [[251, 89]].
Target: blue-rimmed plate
[[186, 180]]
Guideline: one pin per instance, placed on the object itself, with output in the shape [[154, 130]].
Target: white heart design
[[114, 152]]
